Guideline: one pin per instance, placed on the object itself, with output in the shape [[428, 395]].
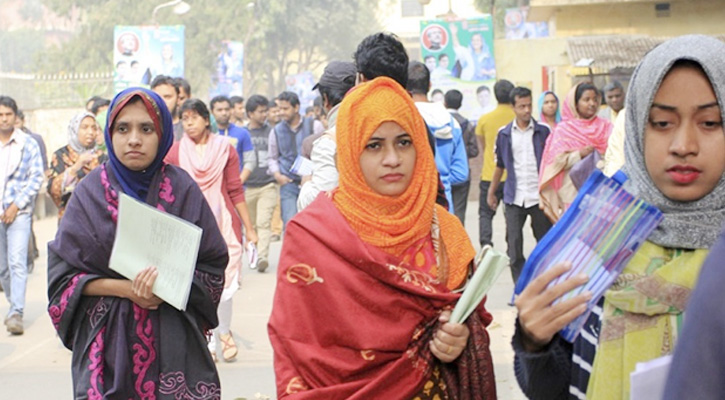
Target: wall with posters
[[142, 52], [460, 55], [228, 77]]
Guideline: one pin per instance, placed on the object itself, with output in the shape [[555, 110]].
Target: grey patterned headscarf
[[73, 127], [688, 225]]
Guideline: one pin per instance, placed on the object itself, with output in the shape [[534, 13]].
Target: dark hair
[[382, 54], [335, 95], [272, 103], [164, 80], [98, 103], [436, 91], [453, 99], [440, 57], [483, 88], [290, 97], [418, 78], [134, 62], [236, 100], [182, 83], [586, 86], [219, 99], [502, 90], [93, 99], [519, 92], [612, 86], [254, 102], [309, 109], [426, 58], [8, 102], [318, 101], [197, 106], [20, 115]]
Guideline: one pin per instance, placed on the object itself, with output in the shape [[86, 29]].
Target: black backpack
[[469, 135]]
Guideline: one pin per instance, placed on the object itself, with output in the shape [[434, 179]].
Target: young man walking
[[261, 192], [519, 148], [21, 174]]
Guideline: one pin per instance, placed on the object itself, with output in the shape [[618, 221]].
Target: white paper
[[648, 380], [489, 265], [146, 237], [302, 166]]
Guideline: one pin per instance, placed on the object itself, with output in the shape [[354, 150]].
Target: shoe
[[213, 356], [262, 264], [229, 348], [14, 324], [275, 238]]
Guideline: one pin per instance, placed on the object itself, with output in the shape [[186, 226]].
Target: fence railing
[[33, 92]]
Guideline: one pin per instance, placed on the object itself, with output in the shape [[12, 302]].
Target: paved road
[[37, 366]]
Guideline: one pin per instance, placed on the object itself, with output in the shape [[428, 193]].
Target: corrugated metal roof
[[613, 51]]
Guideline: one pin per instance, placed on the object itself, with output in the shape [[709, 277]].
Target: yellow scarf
[[642, 315]]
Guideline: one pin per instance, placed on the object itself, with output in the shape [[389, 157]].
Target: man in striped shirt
[[21, 174]]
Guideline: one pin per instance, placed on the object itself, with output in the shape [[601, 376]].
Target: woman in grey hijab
[[74, 161], [675, 159]]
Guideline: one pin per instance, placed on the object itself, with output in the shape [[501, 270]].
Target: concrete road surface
[[37, 366]]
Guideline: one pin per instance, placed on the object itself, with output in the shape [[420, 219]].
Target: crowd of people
[[370, 189]]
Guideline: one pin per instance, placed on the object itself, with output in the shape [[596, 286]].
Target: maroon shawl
[[350, 321]]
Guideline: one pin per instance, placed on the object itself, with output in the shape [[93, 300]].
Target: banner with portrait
[[228, 76], [302, 85], [142, 52], [518, 28], [459, 54]]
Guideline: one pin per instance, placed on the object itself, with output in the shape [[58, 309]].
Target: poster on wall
[[142, 52], [228, 76], [518, 28], [460, 55], [302, 85]]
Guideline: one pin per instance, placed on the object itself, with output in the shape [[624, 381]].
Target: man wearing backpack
[[452, 100], [450, 153]]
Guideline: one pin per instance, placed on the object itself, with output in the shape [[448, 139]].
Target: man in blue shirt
[[221, 108]]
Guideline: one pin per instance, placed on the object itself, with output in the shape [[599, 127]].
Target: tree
[[280, 36]]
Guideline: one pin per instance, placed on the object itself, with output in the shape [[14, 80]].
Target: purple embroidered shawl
[[119, 349]]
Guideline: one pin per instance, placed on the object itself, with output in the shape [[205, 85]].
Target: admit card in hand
[[146, 237]]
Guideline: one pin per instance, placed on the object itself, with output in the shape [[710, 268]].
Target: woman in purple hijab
[[126, 342]]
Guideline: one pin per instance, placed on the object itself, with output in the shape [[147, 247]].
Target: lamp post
[[180, 7]]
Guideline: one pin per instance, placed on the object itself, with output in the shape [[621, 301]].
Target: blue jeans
[[288, 195], [14, 261]]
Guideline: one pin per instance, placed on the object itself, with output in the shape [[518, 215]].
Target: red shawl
[[350, 322]]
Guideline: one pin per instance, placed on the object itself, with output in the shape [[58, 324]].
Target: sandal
[[229, 348]]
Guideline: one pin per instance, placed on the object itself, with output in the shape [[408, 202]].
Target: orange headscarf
[[393, 224]]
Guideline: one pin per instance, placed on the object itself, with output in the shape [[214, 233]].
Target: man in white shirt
[[519, 149]]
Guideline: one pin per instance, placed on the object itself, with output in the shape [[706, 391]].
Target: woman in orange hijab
[[366, 276]]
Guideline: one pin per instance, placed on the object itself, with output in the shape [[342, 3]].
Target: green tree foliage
[[280, 36]]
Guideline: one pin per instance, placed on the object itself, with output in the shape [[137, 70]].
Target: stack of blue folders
[[598, 234]]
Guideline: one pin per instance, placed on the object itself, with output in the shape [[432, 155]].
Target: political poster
[[228, 76], [459, 54], [518, 28], [142, 52]]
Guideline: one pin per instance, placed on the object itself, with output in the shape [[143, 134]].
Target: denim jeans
[[288, 198], [14, 261], [515, 219]]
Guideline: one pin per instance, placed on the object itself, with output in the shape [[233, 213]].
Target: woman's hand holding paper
[[540, 320], [141, 289], [449, 340]]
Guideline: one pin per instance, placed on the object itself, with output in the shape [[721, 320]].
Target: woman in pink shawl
[[213, 163], [579, 134]]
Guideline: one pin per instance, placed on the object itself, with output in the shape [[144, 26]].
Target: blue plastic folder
[[598, 234]]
